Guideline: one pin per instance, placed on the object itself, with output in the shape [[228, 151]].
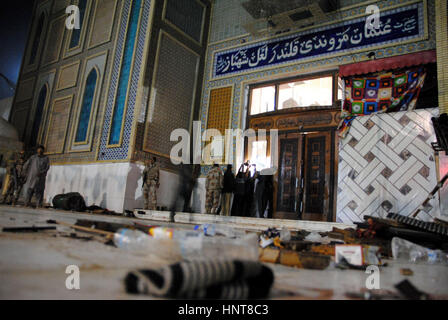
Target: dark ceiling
[[267, 8]]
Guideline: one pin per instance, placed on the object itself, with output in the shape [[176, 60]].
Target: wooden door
[[316, 176], [288, 181]]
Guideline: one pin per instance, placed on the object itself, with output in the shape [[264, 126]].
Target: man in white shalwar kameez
[[35, 170]]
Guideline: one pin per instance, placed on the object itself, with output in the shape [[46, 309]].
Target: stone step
[[254, 224]]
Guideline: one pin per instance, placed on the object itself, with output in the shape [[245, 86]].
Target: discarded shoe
[[204, 280]]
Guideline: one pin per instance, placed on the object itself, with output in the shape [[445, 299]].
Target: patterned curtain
[[385, 92]]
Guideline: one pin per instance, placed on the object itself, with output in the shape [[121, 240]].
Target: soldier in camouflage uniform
[[150, 184], [9, 182], [20, 176], [15, 179], [213, 187]]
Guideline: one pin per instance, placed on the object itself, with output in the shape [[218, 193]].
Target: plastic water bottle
[[161, 233], [188, 244], [141, 243], [134, 240], [200, 247], [220, 229], [406, 250], [285, 235]]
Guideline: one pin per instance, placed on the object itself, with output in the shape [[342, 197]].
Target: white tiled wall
[[378, 175], [114, 186], [100, 184]]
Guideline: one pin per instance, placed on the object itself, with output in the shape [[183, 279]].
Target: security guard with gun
[[151, 184], [15, 179]]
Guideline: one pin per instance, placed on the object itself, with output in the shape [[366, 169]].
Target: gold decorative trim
[[47, 101], [68, 52], [15, 115], [53, 11], [125, 109], [231, 101], [59, 45], [204, 144], [66, 127], [45, 8], [43, 122], [95, 103], [442, 53], [21, 84], [139, 99], [154, 79], [61, 69], [89, 41], [171, 24], [109, 79]]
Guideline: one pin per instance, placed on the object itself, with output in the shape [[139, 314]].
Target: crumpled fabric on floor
[[209, 279]]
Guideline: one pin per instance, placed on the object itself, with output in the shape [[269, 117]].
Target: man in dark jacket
[[35, 170], [264, 193], [227, 191], [188, 177], [240, 193]]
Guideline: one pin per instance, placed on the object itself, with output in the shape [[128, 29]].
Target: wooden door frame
[[328, 173], [284, 135], [334, 164]]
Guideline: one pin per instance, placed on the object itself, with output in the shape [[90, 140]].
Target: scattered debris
[[373, 295], [270, 255], [129, 214], [265, 242], [358, 255], [219, 229], [94, 209], [250, 280], [27, 229], [406, 272], [344, 264], [326, 250], [304, 260], [78, 237], [72, 201], [101, 225], [186, 244], [411, 252], [410, 292], [442, 222], [431, 227], [298, 245], [108, 235], [313, 237]]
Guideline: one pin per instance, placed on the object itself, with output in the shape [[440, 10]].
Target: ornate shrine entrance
[[305, 182]]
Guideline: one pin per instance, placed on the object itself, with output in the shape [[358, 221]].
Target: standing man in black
[[188, 177], [227, 191], [264, 194]]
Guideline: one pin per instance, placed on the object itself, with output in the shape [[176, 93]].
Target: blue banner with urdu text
[[397, 25]]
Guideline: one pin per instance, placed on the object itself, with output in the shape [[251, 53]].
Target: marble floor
[[33, 265]]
